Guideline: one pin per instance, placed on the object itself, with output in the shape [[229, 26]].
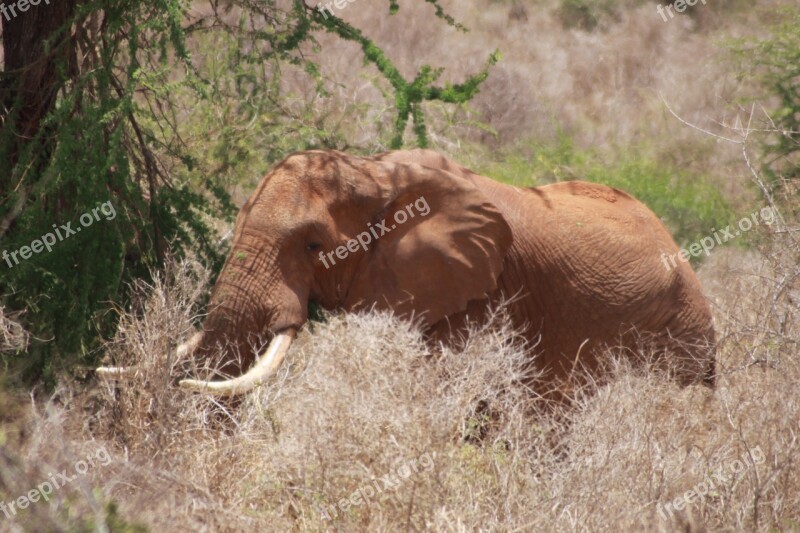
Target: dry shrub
[[47, 451], [603, 88], [370, 399], [13, 337], [466, 444], [362, 397]]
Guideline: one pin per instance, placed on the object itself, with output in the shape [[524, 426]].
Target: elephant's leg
[[694, 360], [686, 354]]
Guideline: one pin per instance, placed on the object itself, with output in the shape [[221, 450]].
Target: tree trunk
[[38, 55]]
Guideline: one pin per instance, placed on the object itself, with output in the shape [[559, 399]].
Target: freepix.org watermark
[[55, 482], [753, 456], [768, 215], [366, 237], [378, 486], [679, 5], [22, 5], [48, 240], [339, 4]]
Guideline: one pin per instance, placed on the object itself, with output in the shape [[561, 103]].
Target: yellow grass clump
[[367, 428]]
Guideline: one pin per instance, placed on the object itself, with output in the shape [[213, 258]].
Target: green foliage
[[774, 63], [78, 523], [104, 145], [688, 204], [410, 95], [587, 14], [116, 523], [163, 138], [590, 15], [250, 119]]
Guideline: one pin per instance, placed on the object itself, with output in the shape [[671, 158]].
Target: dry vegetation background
[[361, 395]]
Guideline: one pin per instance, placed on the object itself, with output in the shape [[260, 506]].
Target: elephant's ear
[[449, 252]]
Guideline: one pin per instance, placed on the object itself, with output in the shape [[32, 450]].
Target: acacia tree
[[774, 62], [93, 93], [36, 43]]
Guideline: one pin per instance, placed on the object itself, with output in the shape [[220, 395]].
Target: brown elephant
[[415, 233]]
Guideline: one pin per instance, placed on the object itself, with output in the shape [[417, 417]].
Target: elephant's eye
[[313, 247]]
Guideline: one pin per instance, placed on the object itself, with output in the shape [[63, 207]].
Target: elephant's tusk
[[125, 372], [263, 368], [116, 372], [188, 347]]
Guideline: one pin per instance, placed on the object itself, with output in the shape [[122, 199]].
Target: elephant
[[417, 234]]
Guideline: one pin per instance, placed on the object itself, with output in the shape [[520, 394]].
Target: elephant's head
[[351, 233]]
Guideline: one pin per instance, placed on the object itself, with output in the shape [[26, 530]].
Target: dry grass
[[13, 337], [603, 87], [362, 396]]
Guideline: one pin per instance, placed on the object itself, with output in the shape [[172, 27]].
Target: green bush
[[587, 14], [690, 205], [774, 64], [162, 136]]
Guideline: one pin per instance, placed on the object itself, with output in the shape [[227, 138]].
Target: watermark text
[[679, 6], [379, 485], [22, 5], [768, 215], [55, 482], [753, 456], [401, 216], [48, 240]]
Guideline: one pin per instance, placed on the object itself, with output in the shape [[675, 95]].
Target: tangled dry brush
[[366, 430]]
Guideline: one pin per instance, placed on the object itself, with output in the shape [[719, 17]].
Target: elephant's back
[[610, 251], [586, 189], [594, 220]]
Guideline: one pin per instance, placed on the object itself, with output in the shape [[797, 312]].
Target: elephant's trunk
[[229, 339], [242, 312]]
